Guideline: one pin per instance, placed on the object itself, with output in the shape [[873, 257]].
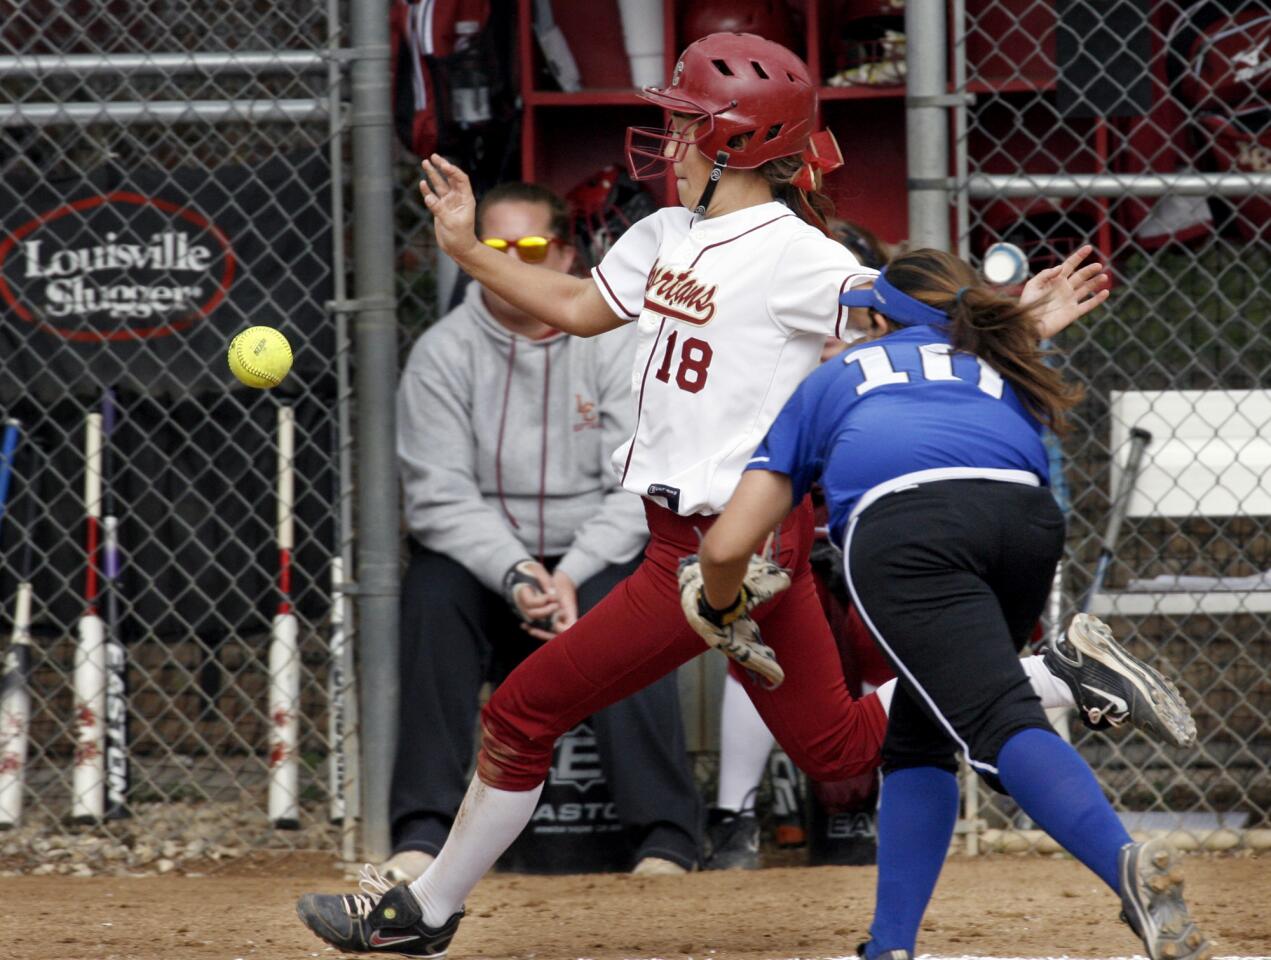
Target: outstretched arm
[[759, 504], [1065, 293], [568, 303]]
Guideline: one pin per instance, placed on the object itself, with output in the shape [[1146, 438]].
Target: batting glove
[[516, 577]]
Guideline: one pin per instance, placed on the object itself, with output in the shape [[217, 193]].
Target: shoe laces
[[1114, 717], [373, 885]]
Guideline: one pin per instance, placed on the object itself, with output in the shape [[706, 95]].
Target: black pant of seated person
[[456, 635]]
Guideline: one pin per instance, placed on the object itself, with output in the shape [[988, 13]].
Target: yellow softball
[[260, 357]]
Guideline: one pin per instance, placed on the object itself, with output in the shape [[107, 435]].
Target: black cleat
[[382, 919], [732, 841], [1112, 687], [1152, 903]]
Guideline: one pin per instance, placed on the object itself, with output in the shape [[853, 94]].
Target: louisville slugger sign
[[152, 271], [175, 278]]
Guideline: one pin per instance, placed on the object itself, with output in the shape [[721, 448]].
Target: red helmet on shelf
[[766, 18], [739, 85], [602, 207], [1241, 143], [1046, 230], [862, 9], [1218, 55]]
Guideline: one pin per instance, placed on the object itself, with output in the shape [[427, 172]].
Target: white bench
[[1210, 456]]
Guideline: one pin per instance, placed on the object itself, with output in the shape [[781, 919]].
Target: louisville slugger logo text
[[119, 266], [676, 293], [72, 290]]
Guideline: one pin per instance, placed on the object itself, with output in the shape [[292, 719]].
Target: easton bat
[[1139, 439], [15, 685], [116, 656], [338, 677], [88, 779], [336, 707], [284, 651]]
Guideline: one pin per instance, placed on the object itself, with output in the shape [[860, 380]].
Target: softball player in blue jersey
[[927, 442]]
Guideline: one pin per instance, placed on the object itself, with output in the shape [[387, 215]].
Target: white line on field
[[932, 956]]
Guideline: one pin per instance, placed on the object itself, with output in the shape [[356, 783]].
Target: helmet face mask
[[651, 149]]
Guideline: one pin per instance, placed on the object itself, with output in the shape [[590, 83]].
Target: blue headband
[[894, 305]]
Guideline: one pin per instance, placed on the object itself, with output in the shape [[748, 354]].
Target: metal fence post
[[926, 124], [376, 343]]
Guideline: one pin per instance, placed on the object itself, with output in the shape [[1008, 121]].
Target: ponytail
[[997, 329], [810, 206]]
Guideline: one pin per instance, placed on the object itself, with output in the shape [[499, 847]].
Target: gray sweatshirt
[[504, 446]]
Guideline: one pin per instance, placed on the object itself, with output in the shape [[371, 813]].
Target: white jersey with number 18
[[732, 314]]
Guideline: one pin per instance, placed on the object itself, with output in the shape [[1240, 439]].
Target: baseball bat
[[284, 649], [88, 779], [340, 708], [15, 685], [336, 706], [1139, 440], [116, 656], [1058, 487], [8, 448]]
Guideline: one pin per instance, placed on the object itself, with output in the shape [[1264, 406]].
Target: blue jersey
[[900, 410]]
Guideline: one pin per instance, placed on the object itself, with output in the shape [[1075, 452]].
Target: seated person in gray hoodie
[[505, 429]]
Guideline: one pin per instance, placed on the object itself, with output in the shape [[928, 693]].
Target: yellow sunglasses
[[530, 249]]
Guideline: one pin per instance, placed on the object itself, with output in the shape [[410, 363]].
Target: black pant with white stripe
[[951, 577]]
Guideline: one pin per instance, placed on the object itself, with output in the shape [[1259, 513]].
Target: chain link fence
[[173, 173], [1142, 126]]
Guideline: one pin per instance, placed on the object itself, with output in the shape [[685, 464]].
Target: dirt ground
[[1003, 906]]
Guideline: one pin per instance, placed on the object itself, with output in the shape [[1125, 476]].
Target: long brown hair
[[995, 328], [812, 206]]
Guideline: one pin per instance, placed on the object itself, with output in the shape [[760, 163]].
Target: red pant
[[638, 633]]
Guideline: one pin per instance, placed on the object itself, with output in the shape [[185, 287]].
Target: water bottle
[[469, 85]]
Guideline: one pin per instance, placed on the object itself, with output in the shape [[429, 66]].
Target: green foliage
[[1180, 318]]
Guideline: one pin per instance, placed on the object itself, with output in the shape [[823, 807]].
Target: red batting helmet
[[602, 207], [739, 85], [1046, 230], [1217, 55], [767, 18]]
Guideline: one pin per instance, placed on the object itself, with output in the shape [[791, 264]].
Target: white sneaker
[[406, 866], [657, 867]]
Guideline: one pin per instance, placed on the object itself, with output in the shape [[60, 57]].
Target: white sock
[[885, 692], [488, 821], [744, 745], [1053, 691]]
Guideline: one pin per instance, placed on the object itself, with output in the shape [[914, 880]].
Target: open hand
[[447, 194], [1066, 293]]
